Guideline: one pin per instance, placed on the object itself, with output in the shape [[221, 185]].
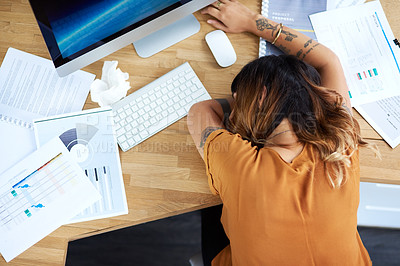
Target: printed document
[[364, 42], [30, 88], [90, 138], [384, 117], [38, 195]]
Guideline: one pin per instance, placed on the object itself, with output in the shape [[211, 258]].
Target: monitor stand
[[167, 36]]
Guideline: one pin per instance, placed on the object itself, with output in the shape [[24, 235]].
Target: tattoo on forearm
[[263, 24], [309, 50], [299, 53], [308, 43], [284, 49], [289, 36], [206, 132]]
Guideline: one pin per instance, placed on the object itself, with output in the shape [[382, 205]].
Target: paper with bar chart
[[88, 135], [38, 195], [364, 42]]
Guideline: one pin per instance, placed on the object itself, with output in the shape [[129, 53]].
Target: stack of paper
[[38, 195], [30, 88], [74, 176]]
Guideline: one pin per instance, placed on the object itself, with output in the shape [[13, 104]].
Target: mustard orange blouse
[[279, 213]]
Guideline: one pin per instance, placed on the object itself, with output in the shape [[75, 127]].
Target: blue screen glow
[[85, 24]]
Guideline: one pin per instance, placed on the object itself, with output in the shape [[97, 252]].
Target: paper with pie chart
[[88, 135]]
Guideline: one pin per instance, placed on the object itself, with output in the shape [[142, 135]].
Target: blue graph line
[[40, 205], [387, 41], [37, 170], [24, 179]]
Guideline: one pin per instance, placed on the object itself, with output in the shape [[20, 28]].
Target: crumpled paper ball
[[112, 87]]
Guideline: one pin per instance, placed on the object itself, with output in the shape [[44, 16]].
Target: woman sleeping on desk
[[286, 162]]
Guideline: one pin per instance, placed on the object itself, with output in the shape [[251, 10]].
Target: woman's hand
[[231, 16]]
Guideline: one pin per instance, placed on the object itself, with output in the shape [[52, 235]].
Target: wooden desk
[[165, 176]]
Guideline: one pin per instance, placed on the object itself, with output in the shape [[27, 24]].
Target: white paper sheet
[[40, 194], [384, 117], [30, 88], [90, 138], [362, 38]]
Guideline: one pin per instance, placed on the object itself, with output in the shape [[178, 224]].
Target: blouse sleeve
[[216, 153]]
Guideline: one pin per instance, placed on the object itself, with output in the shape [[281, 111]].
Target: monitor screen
[[72, 28]]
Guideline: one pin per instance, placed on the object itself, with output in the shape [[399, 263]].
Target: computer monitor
[[80, 32]]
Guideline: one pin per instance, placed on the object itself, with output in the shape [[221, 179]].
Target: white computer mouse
[[221, 48]]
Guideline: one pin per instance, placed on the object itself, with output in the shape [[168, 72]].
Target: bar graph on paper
[[25, 196], [101, 179]]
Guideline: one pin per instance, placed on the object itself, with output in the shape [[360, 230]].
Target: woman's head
[[273, 88], [270, 89]]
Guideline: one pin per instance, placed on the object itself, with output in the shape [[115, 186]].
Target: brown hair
[[293, 90]]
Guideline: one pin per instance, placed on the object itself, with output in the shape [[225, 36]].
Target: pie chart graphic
[[77, 141]]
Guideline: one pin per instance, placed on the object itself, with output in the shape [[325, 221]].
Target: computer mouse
[[221, 48]]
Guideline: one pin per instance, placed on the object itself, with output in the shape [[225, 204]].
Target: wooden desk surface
[[164, 175]]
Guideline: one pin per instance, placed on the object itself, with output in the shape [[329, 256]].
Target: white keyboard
[[157, 105]]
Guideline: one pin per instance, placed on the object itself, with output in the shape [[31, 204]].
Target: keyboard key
[[164, 90], [143, 134], [122, 138], [131, 142], [122, 116], [170, 102], [181, 112], [197, 94], [124, 146], [189, 76], [135, 115], [133, 125], [171, 110], [146, 124]]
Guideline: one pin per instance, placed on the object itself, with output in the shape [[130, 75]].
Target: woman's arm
[[232, 16], [203, 119]]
